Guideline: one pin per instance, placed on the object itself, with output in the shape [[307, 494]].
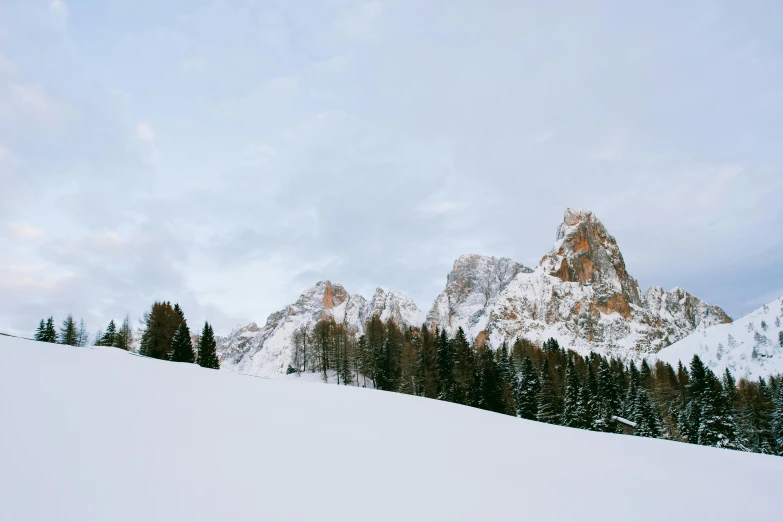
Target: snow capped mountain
[[580, 293], [396, 306], [750, 347], [268, 350], [472, 287]]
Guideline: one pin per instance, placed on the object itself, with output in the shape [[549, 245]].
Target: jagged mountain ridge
[[580, 293], [268, 350]]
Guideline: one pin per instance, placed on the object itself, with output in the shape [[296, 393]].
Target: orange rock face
[[616, 303], [334, 296]]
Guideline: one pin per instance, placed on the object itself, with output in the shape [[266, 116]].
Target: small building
[[627, 426]]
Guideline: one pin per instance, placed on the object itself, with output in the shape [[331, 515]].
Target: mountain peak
[[573, 217], [586, 253]]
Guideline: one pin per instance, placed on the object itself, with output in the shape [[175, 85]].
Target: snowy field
[[97, 434]]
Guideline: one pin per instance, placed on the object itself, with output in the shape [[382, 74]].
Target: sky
[[227, 155]]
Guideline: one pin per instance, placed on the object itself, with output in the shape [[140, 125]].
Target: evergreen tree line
[[166, 336], [551, 384]]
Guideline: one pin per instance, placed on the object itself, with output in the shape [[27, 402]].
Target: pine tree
[[445, 360], [428, 365], [644, 415], [547, 407], [527, 391], [68, 334], [508, 383], [607, 398], [207, 348], [50, 334], [631, 393], [777, 416], [181, 345], [180, 313], [584, 412], [124, 337], [490, 394], [463, 369], [161, 323], [110, 335], [571, 404], [40, 333], [645, 375], [690, 417], [82, 337], [717, 426]]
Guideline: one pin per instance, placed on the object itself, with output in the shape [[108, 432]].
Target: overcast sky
[[229, 154]]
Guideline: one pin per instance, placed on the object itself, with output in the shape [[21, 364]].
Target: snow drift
[[96, 434]]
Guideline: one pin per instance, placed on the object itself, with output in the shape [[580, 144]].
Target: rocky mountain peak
[[586, 253], [474, 282]]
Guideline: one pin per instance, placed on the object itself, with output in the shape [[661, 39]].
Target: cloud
[[144, 132], [34, 99], [360, 22], [610, 150], [58, 8], [441, 207], [371, 144], [24, 231]]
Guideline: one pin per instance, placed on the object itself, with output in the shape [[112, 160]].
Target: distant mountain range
[[580, 293]]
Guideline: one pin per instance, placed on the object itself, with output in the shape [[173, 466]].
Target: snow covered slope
[[580, 293], [749, 347], [97, 434], [268, 350]]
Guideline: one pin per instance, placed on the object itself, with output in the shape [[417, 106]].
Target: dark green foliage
[[717, 426], [161, 323], [109, 337], [527, 391], [607, 398], [445, 361], [551, 345], [490, 392], [207, 348], [68, 332], [571, 403], [50, 334], [427, 365], [547, 397], [181, 345], [645, 416], [40, 333]]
